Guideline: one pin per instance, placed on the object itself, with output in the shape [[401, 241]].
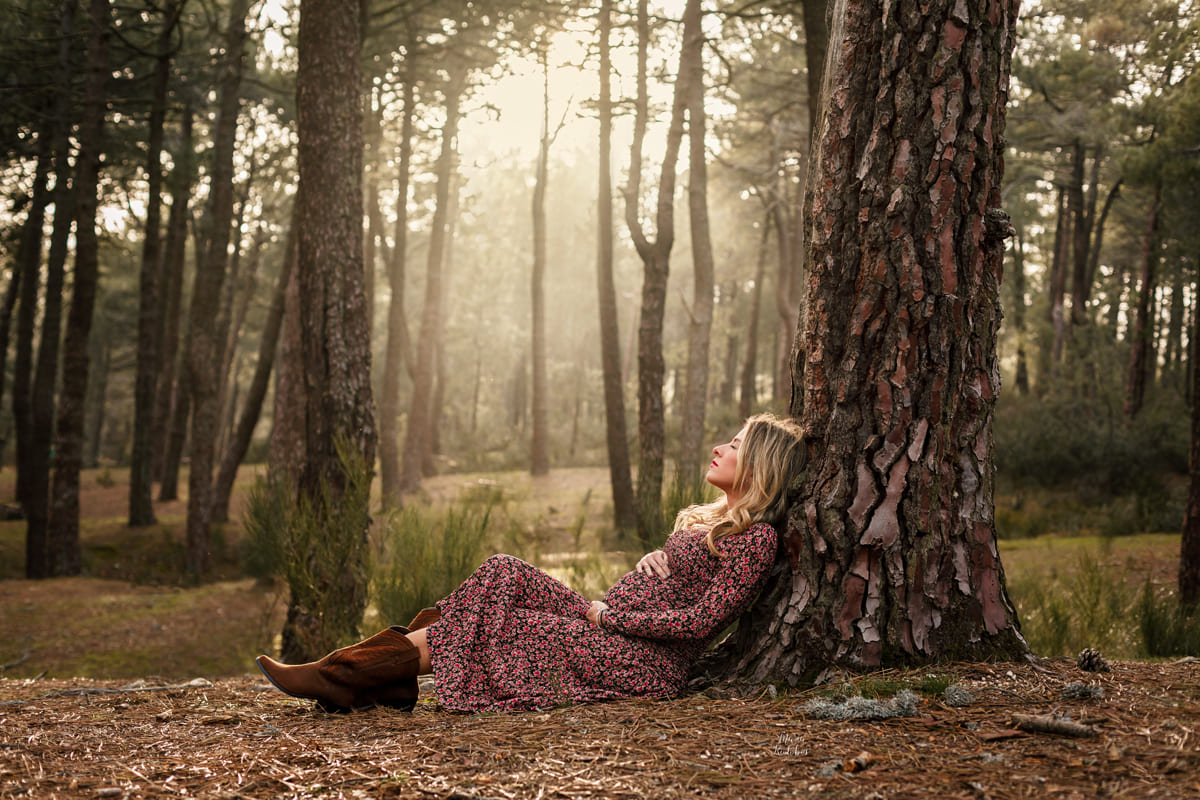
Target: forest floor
[[180, 712]]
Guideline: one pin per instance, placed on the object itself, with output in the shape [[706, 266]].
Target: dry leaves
[[239, 739]]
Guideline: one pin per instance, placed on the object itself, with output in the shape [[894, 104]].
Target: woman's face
[[722, 472]]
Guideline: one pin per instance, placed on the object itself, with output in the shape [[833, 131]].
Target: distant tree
[[539, 461], [891, 542], [700, 313], [204, 337], [141, 474], [656, 259], [624, 509]]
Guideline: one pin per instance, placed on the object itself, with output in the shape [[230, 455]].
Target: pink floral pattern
[[513, 638]]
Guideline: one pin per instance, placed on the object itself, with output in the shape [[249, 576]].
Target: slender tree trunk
[[204, 340], [1082, 212], [416, 441], [336, 354], [695, 388], [65, 554], [539, 461], [1022, 376], [11, 291], [397, 356], [891, 542], [167, 394], [287, 448], [141, 477], [1140, 362], [1058, 279], [619, 471], [748, 395], [437, 400], [1189, 548], [655, 258], [29, 262], [37, 464], [252, 407]]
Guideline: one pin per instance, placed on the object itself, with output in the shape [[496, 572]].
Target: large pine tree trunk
[[141, 474], [205, 339], [619, 474], [65, 554], [891, 544], [417, 430], [336, 353], [695, 390]]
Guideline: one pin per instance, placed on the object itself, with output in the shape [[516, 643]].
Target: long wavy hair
[[771, 452]]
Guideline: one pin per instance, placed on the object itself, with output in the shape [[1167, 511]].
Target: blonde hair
[[771, 452]]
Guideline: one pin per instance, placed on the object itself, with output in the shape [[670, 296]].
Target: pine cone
[[1090, 660]]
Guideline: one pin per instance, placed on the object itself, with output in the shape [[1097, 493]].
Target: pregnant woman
[[511, 637]]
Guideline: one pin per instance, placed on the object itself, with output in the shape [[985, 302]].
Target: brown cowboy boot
[[424, 618], [381, 670]]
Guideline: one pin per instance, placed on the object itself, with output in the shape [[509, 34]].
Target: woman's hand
[[593, 612], [654, 564]]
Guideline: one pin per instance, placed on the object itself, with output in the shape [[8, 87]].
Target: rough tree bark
[[891, 542], [336, 352], [695, 388], [65, 556], [205, 339], [619, 475], [655, 256]]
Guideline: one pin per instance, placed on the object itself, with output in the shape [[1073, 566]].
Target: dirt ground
[[239, 738]]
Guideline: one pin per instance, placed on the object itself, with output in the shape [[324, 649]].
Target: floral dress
[[512, 638]]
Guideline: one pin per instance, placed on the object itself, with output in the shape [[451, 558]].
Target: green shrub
[[426, 554]]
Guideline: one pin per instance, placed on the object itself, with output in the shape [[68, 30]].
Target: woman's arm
[[744, 570]]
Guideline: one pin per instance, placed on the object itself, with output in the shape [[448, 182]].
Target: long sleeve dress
[[512, 638]]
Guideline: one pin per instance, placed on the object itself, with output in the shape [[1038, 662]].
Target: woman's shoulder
[[758, 537]]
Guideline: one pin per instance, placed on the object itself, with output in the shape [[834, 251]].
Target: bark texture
[[1189, 548], [891, 543], [335, 347]]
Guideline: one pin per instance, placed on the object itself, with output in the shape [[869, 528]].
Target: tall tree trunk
[[1173, 346], [1083, 211], [396, 354], [539, 449], [748, 394], [1140, 362], [1022, 376], [695, 388], [619, 471], [36, 465], [1189, 548], [204, 339], [287, 448], [437, 400], [1058, 281], [336, 353], [65, 554], [141, 476], [252, 407], [167, 394], [655, 258], [29, 262], [891, 543], [416, 434]]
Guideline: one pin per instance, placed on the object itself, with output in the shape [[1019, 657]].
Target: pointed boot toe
[[306, 682]]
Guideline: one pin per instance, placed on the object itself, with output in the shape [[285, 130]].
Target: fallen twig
[[1046, 724]]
